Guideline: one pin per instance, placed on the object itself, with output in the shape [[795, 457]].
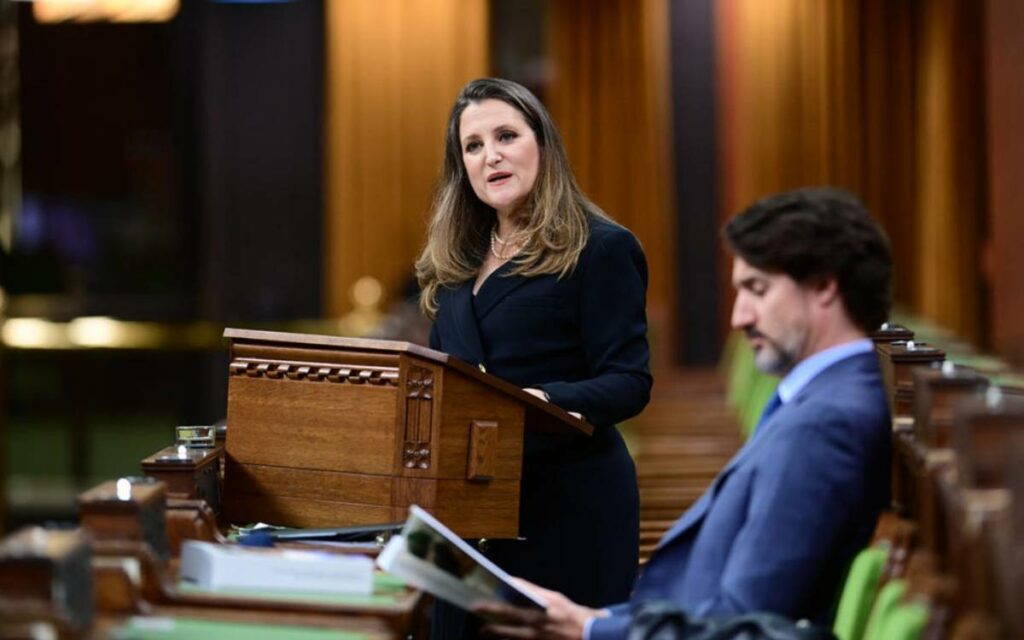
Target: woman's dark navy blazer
[[582, 339]]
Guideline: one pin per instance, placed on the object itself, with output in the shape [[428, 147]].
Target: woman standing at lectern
[[523, 274]]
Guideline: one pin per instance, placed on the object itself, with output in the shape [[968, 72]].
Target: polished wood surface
[[358, 350], [937, 390], [127, 510], [329, 431], [898, 360], [46, 575], [188, 473], [483, 436]]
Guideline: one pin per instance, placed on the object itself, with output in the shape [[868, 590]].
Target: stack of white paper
[[224, 567]]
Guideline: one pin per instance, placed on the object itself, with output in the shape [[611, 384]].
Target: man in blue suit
[[778, 527]]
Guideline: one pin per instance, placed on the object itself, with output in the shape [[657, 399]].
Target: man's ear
[[826, 291]]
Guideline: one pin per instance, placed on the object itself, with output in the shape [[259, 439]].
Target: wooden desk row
[[958, 486], [682, 440], [323, 431], [120, 568]]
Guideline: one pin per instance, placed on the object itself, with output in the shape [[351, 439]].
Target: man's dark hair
[[812, 234]]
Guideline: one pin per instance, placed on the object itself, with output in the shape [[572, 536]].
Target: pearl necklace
[[496, 240]]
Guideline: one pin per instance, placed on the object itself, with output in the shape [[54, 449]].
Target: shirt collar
[[809, 368]]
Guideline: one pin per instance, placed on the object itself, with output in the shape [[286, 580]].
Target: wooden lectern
[[326, 431]]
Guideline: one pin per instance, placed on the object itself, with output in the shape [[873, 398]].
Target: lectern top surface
[[544, 411], [340, 342]]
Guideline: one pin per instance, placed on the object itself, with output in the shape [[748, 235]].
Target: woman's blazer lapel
[[465, 342], [496, 288]]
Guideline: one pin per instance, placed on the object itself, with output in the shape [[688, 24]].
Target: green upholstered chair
[[905, 622], [738, 363], [859, 593], [748, 389], [761, 391], [886, 603]]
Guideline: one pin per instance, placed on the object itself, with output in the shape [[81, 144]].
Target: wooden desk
[[134, 574]]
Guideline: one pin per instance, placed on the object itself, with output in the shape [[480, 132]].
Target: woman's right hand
[[537, 393], [546, 398]]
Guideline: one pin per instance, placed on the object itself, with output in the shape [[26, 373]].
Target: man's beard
[[775, 357]]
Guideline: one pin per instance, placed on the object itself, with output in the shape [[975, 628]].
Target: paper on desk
[[218, 566]]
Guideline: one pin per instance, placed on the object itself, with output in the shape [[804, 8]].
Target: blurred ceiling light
[[33, 333], [100, 331], [96, 331], [104, 10], [367, 292]]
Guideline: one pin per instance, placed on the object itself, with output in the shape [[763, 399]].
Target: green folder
[[387, 591], [173, 628]]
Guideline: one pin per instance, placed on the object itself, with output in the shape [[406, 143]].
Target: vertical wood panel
[[394, 68], [889, 105], [1005, 91], [950, 200]]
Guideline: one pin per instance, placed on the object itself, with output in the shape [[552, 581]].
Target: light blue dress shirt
[[809, 368]]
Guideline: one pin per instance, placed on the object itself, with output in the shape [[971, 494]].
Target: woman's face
[[500, 153]]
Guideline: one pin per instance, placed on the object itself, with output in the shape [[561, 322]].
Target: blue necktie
[[773, 403]]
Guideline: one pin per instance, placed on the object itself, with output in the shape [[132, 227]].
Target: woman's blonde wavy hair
[[553, 221]]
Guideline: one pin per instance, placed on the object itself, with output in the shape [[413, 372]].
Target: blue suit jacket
[[777, 529]]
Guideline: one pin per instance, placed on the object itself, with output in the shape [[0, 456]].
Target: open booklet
[[429, 556]]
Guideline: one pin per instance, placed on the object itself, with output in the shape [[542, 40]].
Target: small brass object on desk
[[196, 437]]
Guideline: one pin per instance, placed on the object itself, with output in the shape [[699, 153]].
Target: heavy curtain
[[879, 97]]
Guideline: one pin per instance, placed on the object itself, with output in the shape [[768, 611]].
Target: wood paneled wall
[[393, 70], [609, 95], [951, 207], [882, 98], [1005, 91]]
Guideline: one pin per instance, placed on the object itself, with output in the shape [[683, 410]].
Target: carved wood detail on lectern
[[328, 431], [419, 399], [314, 372]]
